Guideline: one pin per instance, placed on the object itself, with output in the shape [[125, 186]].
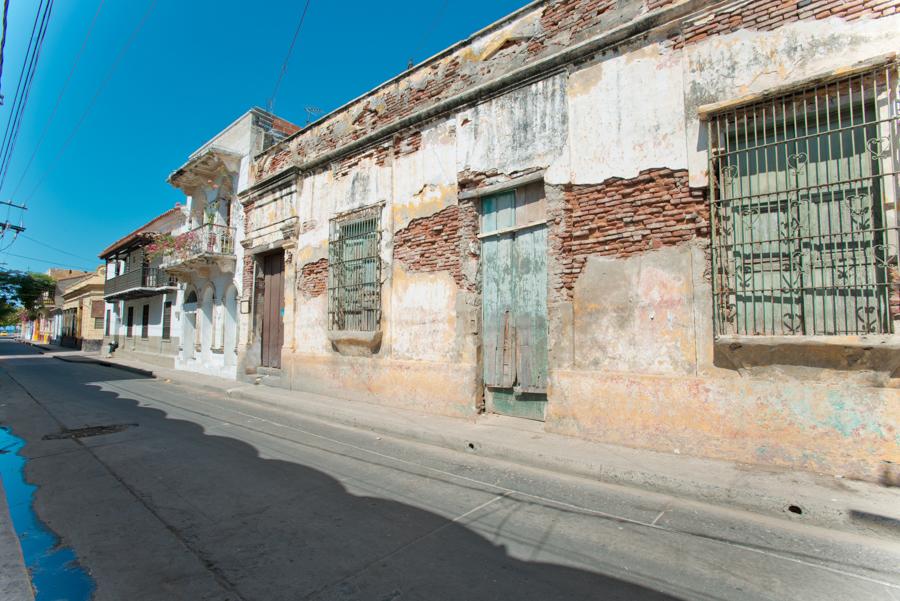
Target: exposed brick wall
[[623, 217], [247, 277], [439, 242], [560, 24], [765, 15], [313, 280], [284, 127], [404, 145], [569, 18], [654, 4], [443, 78]]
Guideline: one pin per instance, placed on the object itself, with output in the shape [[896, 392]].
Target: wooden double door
[[514, 304], [272, 335]]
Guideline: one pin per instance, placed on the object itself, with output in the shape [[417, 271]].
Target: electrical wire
[[59, 98], [67, 265], [3, 45], [271, 104], [93, 100], [59, 250], [23, 89]]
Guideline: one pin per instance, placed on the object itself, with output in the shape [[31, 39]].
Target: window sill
[[355, 343], [868, 360]]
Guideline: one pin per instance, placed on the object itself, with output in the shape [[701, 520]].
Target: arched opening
[[206, 322], [231, 328], [189, 326]]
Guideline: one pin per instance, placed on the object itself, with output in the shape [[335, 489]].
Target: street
[[178, 493]]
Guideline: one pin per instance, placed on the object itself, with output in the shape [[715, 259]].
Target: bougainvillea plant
[[166, 244]]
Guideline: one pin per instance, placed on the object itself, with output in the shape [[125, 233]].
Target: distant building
[[82, 318], [54, 303]]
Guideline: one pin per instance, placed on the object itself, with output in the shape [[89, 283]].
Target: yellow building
[[83, 312]]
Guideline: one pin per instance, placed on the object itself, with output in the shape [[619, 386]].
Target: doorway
[[272, 310], [514, 301]]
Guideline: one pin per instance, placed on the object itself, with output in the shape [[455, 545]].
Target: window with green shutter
[[802, 195], [354, 271]]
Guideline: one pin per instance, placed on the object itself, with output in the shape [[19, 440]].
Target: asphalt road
[[202, 497]]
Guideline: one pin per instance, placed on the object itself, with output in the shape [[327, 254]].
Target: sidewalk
[[15, 582], [803, 497]]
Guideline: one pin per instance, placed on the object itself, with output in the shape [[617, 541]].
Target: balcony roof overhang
[[203, 167], [137, 292], [200, 264]]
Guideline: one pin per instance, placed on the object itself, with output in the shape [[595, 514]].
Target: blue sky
[[193, 68]]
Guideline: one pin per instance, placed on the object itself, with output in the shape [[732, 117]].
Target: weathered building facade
[[657, 223], [205, 252]]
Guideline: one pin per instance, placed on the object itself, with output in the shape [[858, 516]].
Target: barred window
[[803, 190], [354, 271]]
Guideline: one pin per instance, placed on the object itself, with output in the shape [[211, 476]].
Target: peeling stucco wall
[[617, 137]]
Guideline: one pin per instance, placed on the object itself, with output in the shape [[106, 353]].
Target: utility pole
[[6, 226]]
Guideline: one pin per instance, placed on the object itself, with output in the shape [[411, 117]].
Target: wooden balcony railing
[[149, 278]]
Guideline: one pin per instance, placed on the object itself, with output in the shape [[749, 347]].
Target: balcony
[[146, 281], [199, 248]]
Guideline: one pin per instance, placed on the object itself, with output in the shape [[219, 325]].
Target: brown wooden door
[[273, 309]]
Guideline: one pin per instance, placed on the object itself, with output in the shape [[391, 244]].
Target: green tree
[[21, 291]]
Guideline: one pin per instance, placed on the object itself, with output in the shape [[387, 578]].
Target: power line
[[93, 99], [58, 100], [23, 89], [3, 44], [271, 104], [67, 265], [59, 250]]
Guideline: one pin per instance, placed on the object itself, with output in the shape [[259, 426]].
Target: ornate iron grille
[[354, 271], [803, 192]]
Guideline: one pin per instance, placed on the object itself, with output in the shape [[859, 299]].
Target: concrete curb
[[821, 502], [15, 581], [825, 501]]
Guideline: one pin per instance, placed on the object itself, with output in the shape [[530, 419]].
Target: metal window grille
[[354, 271], [803, 190], [98, 323]]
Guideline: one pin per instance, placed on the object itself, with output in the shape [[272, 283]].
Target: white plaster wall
[[156, 304], [312, 325], [424, 316], [748, 62], [520, 130], [626, 114], [425, 181]]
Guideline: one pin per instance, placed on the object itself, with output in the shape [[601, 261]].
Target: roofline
[[204, 150], [126, 239], [433, 58]]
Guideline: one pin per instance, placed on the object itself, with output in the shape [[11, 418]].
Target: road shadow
[[276, 530]]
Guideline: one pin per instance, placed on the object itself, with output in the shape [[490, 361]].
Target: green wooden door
[[514, 301]]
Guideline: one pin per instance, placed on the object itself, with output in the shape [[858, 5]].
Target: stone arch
[[189, 324]]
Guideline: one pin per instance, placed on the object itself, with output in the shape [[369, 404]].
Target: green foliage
[[22, 292]]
